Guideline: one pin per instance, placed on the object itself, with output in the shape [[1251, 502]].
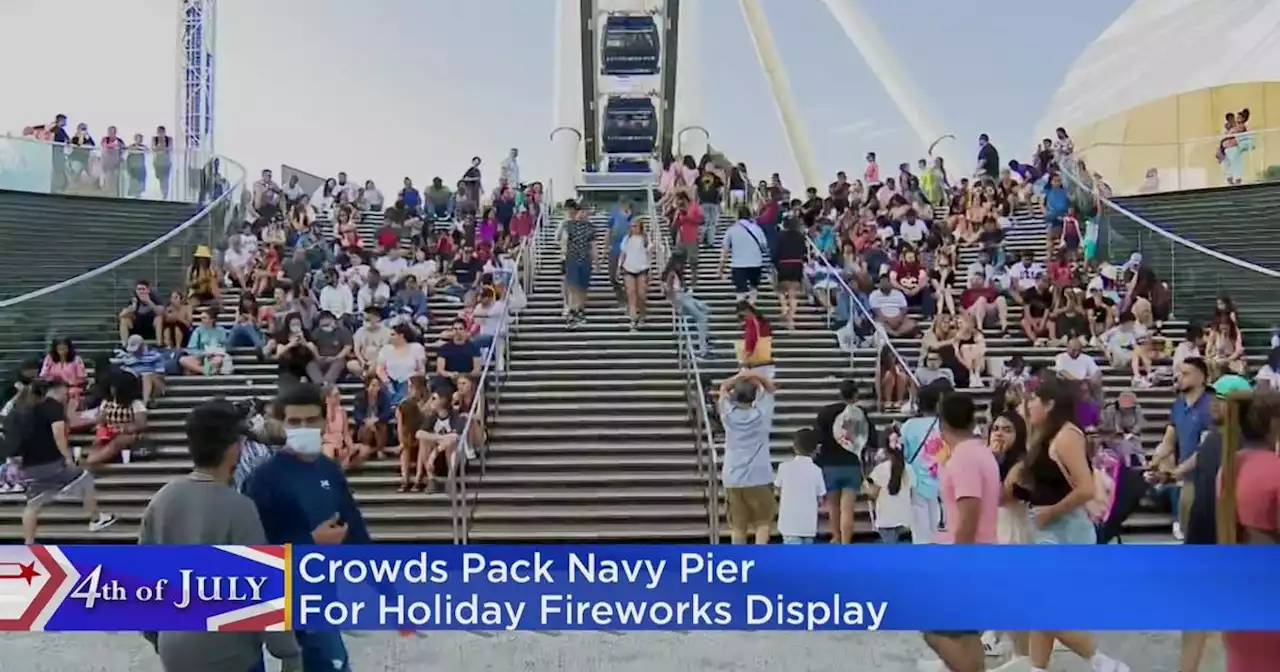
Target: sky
[[385, 89]]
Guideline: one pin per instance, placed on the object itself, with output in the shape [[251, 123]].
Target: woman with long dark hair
[[1056, 481], [789, 260], [62, 363], [1007, 438]]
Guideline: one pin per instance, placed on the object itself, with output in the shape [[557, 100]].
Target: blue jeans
[[323, 651], [1171, 490], [1074, 527], [246, 335], [482, 341], [696, 311], [440, 211], [710, 218], [844, 308], [793, 540], [399, 390]]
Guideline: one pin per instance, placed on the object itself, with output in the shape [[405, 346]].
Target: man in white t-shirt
[[336, 298], [1026, 271], [393, 266], [375, 292], [801, 487], [890, 308], [237, 260], [1076, 365], [488, 314], [913, 230]]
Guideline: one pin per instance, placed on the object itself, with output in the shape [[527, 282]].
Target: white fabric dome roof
[[1161, 48]]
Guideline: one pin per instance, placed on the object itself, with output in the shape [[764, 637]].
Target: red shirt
[[970, 296], [754, 329], [1060, 273], [446, 246], [907, 270], [1070, 226], [522, 225], [388, 239], [689, 223]]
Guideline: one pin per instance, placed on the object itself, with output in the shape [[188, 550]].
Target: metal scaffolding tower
[[196, 75]]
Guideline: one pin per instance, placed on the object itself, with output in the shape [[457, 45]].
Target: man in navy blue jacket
[[303, 498]]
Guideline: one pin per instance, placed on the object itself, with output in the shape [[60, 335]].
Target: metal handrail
[[703, 436], [459, 499], [557, 129], [234, 191], [694, 127], [657, 241], [1177, 143], [1069, 164], [882, 335]]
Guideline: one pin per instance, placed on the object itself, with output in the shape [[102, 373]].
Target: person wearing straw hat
[[202, 279]]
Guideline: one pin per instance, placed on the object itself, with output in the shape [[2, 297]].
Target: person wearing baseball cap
[[204, 508]]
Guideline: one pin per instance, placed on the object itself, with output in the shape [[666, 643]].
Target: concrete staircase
[[591, 440], [1239, 222], [810, 366], [48, 239], [125, 489]]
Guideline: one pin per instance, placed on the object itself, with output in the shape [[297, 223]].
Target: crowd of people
[[1053, 459], [302, 289], [110, 165]]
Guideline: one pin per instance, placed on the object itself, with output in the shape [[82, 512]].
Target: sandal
[[404, 487]]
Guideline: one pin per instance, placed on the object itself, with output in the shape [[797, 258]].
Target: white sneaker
[[1177, 530], [975, 382], [1108, 664], [102, 522], [994, 646]]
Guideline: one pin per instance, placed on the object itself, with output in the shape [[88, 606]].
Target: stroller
[[1121, 490]]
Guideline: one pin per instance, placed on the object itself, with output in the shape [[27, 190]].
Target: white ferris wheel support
[[861, 31], [776, 74]]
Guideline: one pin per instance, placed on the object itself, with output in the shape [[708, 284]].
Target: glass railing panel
[[179, 175], [1138, 168], [1196, 276], [86, 308]]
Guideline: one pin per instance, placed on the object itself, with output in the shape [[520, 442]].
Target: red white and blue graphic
[[193, 588], [34, 580]]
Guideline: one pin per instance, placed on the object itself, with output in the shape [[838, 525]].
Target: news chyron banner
[[858, 587], [192, 588]]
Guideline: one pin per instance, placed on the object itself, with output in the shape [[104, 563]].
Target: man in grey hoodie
[[204, 508], [746, 411]]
